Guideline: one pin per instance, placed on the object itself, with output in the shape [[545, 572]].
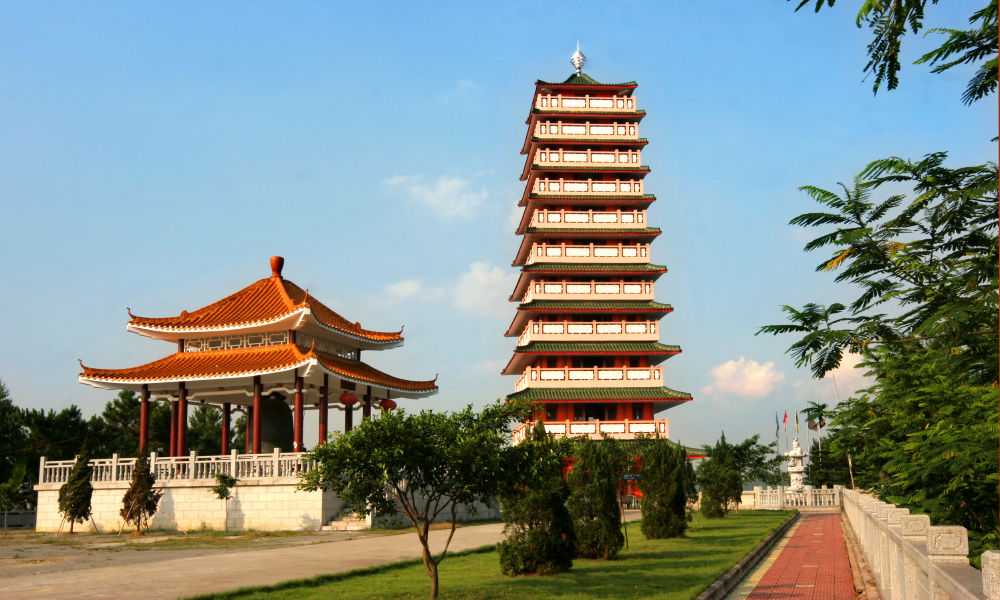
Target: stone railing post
[[114, 466], [781, 496], [191, 464], [945, 544], [232, 463], [276, 461], [41, 470], [991, 574], [897, 558]]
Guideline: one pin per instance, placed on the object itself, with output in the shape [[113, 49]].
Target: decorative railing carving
[[627, 429], [589, 290], [598, 253], [559, 129], [560, 157], [558, 102], [562, 219], [549, 377], [582, 331], [587, 187]]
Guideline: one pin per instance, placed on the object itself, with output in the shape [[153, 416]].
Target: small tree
[[223, 490], [598, 468], [75, 494], [664, 486], [141, 500], [538, 529], [427, 464]]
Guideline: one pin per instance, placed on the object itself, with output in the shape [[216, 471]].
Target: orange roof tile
[[266, 300], [190, 366]]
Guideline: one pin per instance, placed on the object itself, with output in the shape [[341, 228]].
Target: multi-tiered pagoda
[[588, 327], [270, 348]]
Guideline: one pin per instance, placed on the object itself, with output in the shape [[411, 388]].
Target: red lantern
[[388, 404], [347, 398]]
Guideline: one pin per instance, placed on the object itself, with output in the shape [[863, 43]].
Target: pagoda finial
[[277, 263], [577, 59]]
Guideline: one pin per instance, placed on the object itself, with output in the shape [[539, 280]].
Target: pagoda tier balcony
[[604, 377], [621, 430], [589, 290], [558, 130], [560, 103], [589, 331], [559, 157], [587, 187], [588, 253], [588, 219]]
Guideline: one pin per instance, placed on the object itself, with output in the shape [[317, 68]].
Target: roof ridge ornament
[[577, 59], [277, 263]]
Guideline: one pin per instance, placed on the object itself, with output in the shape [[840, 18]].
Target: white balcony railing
[[588, 253], [553, 157], [589, 331], [558, 102], [622, 430], [557, 377], [553, 130], [587, 187], [588, 219], [185, 468], [589, 290]]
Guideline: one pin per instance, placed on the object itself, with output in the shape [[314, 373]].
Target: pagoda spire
[[577, 59]]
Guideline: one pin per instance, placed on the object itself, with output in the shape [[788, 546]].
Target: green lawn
[[674, 569]]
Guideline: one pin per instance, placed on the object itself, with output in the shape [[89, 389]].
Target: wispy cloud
[[481, 290], [461, 89], [407, 289], [447, 197], [743, 377]]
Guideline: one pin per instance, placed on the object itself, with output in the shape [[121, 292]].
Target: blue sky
[[155, 156]]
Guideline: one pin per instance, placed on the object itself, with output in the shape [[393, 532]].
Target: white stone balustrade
[[560, 103], [589, 290], [556, 377], [560, 157], [621, 430], [589, 331], [588, 253], [784, 498], [588, 219], [553, 130], [586, 187], [914, 560]]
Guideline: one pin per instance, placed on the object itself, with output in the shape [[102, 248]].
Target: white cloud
[[412, 288], [846, 378], [484, 289], [460, 90], [744, 377], [447, 197]]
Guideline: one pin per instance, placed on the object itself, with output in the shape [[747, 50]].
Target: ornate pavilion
[[588, 353], [270, 348]]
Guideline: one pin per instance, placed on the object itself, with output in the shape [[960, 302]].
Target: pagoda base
[[619, 430]]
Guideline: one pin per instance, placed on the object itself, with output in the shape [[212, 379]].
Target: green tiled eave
[[598, 347], [637, 393], [586, 268], [584, 79], [607, 140], [599, 305], [588, 113], [558, 230]]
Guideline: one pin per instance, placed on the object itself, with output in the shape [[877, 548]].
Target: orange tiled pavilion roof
[[243, 362], [265, 301]]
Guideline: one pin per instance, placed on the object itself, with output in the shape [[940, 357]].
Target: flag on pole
[[784, 421]]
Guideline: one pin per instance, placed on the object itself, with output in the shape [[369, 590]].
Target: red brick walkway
[[813, 565]]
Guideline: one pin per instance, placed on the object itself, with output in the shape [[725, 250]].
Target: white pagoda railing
[[588, 219], [557, 157], [587, 187], [544, 377], [558, 129], [185, 468], [589, 290], [597, 253], [584, 103], [623, 430], [784, 498], [585, 331]]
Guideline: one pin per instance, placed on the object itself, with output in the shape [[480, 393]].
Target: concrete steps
[[351, 522]]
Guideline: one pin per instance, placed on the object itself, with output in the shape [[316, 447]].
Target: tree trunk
[[71, 523], [431, 566]]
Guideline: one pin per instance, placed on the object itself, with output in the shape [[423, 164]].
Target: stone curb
[[728, 581]]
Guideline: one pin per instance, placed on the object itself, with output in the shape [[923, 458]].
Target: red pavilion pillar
[[172, 450], [297, 416], [144, 420], [227, 410], [324, 409], [256, 414], [366, 406], [182, 419]]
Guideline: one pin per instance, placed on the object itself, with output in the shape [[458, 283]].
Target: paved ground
[[810, 564], [174, 576]]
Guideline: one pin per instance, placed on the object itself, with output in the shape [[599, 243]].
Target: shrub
[[75, 494], [141, 500], [664, 486], [538, 530], [716, 479], [593, 503]]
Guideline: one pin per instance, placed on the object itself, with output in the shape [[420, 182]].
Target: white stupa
[[796, 468]]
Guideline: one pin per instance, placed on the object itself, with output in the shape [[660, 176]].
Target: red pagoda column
[[366, 406], [324, 408], [297, 417], [256, 414], [348, 412], [143, 420], [227, 410], [172, 451], [182, 419]]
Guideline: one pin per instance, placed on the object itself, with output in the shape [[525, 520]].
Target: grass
[[675, 569]]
